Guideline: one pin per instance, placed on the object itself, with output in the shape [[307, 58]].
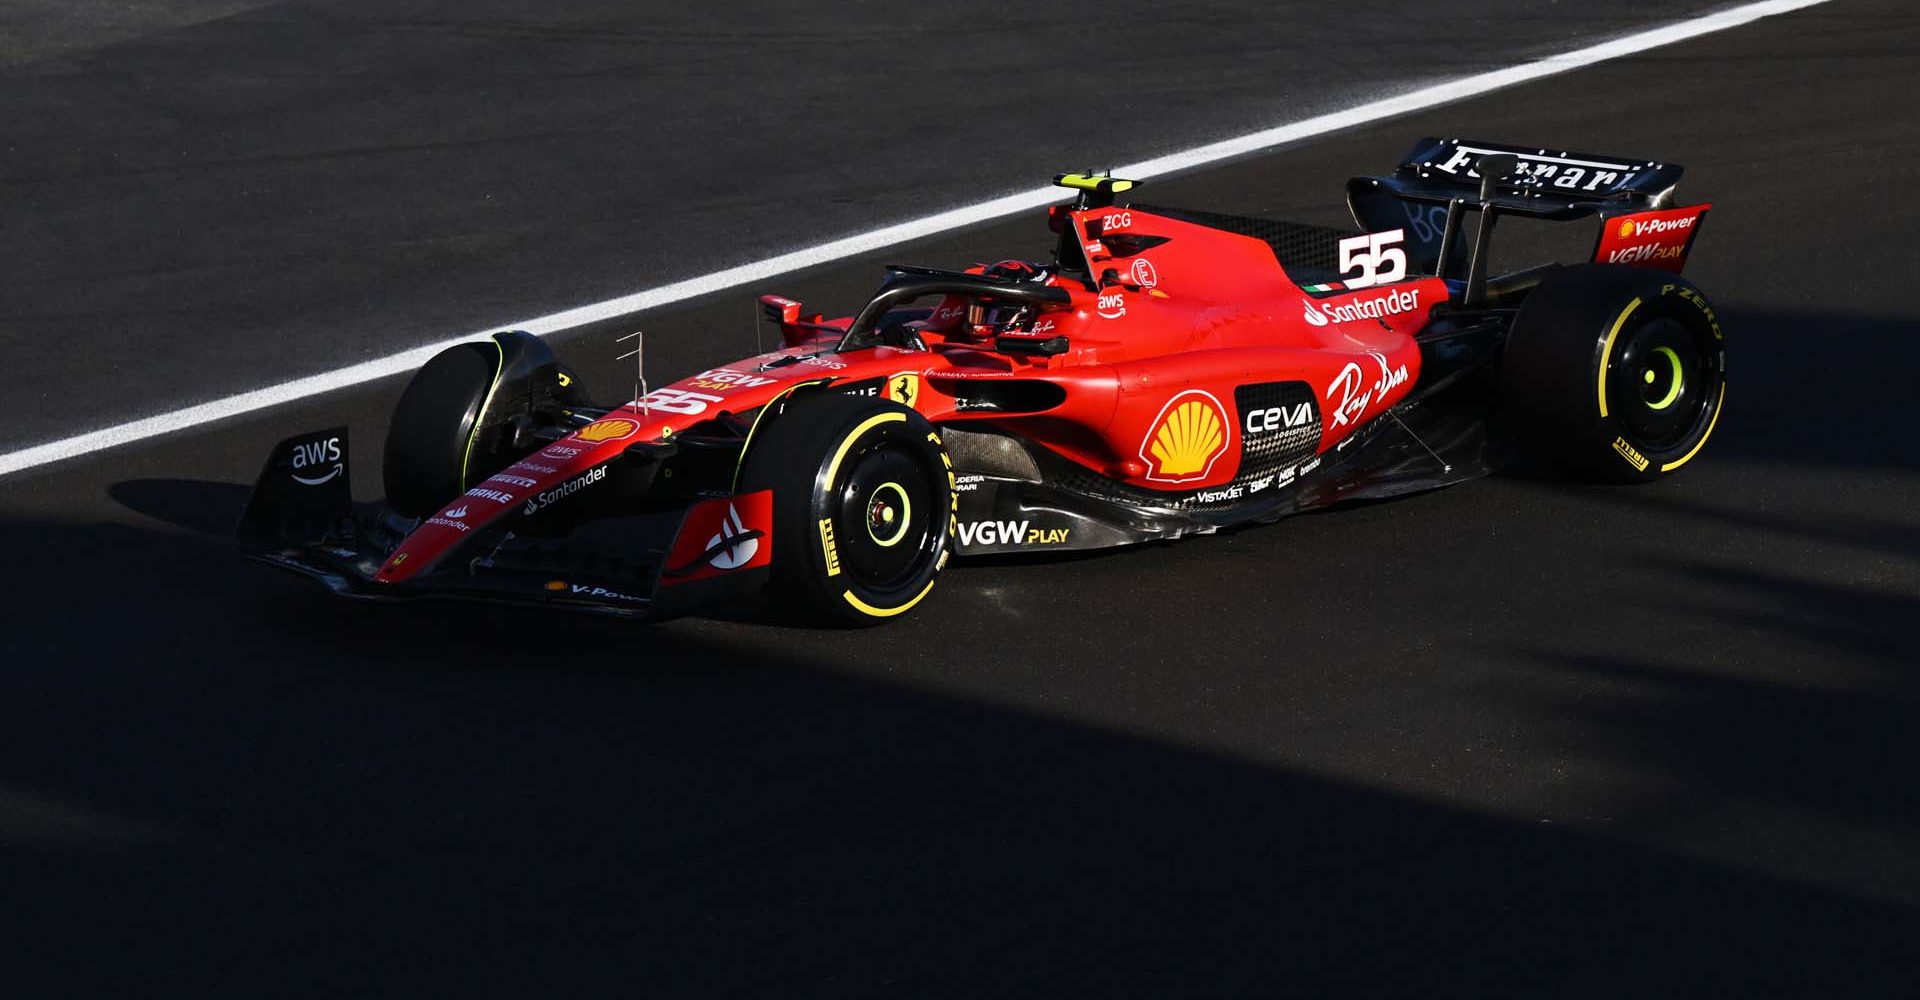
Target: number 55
[[1377, 256], [676, 401]]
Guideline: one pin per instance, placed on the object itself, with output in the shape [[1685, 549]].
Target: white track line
[[758, 271]]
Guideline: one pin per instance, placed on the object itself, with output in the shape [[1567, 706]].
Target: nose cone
[[545, 477]]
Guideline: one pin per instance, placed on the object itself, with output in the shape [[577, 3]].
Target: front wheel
[[864, 505], [430, 440], [1615, 372], [455, 423]]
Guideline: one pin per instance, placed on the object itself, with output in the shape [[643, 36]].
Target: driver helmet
[[986, 318]]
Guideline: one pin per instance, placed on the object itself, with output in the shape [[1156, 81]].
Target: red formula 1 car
[[1168, 372]]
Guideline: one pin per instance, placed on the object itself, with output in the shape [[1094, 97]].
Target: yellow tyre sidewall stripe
[[1718, 404], [499, 366], [1606, 350], [833, 476], [846, 444], [868, 609]]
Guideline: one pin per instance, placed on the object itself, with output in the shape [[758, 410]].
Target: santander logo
[[1348, 310]]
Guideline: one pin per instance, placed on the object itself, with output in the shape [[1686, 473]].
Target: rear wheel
[[1615, 372], [864, 506]]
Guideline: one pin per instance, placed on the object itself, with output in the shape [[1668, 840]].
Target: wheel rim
[[882, 511], [889, 514], [1659, 382]]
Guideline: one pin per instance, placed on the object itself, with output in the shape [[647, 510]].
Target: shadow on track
[[1809, 729], [208, 508], [1821, 389], [246, 786], [217, 778]]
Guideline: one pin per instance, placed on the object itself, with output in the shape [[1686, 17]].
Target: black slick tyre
[[864, 505], [431, 436], [1614, 373]]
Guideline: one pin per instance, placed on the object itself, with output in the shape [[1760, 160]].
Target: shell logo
[[607, 430], [1625, 230], [1188, 436]]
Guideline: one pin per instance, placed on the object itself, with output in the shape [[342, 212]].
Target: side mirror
[[780, 309], [1492, 168]]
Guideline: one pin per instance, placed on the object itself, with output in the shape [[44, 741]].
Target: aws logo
[[607, 430], [1190, 433], [309, 457]]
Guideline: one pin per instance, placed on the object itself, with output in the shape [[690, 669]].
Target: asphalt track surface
[[1517, 737], [245, 199]]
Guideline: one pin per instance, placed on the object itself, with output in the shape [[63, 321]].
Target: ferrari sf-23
[[1168, 372]]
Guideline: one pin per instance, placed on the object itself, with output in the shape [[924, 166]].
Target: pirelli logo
[[1633, 457], [827, 548]]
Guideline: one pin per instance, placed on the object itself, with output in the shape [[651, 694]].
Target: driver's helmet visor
[[996, 316]]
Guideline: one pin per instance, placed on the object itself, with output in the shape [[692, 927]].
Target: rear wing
[[1440, 181], [1543, 182]]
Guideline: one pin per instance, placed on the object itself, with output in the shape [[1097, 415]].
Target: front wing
[[302, 518]]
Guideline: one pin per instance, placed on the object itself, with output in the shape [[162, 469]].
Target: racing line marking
[[913, 229]]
